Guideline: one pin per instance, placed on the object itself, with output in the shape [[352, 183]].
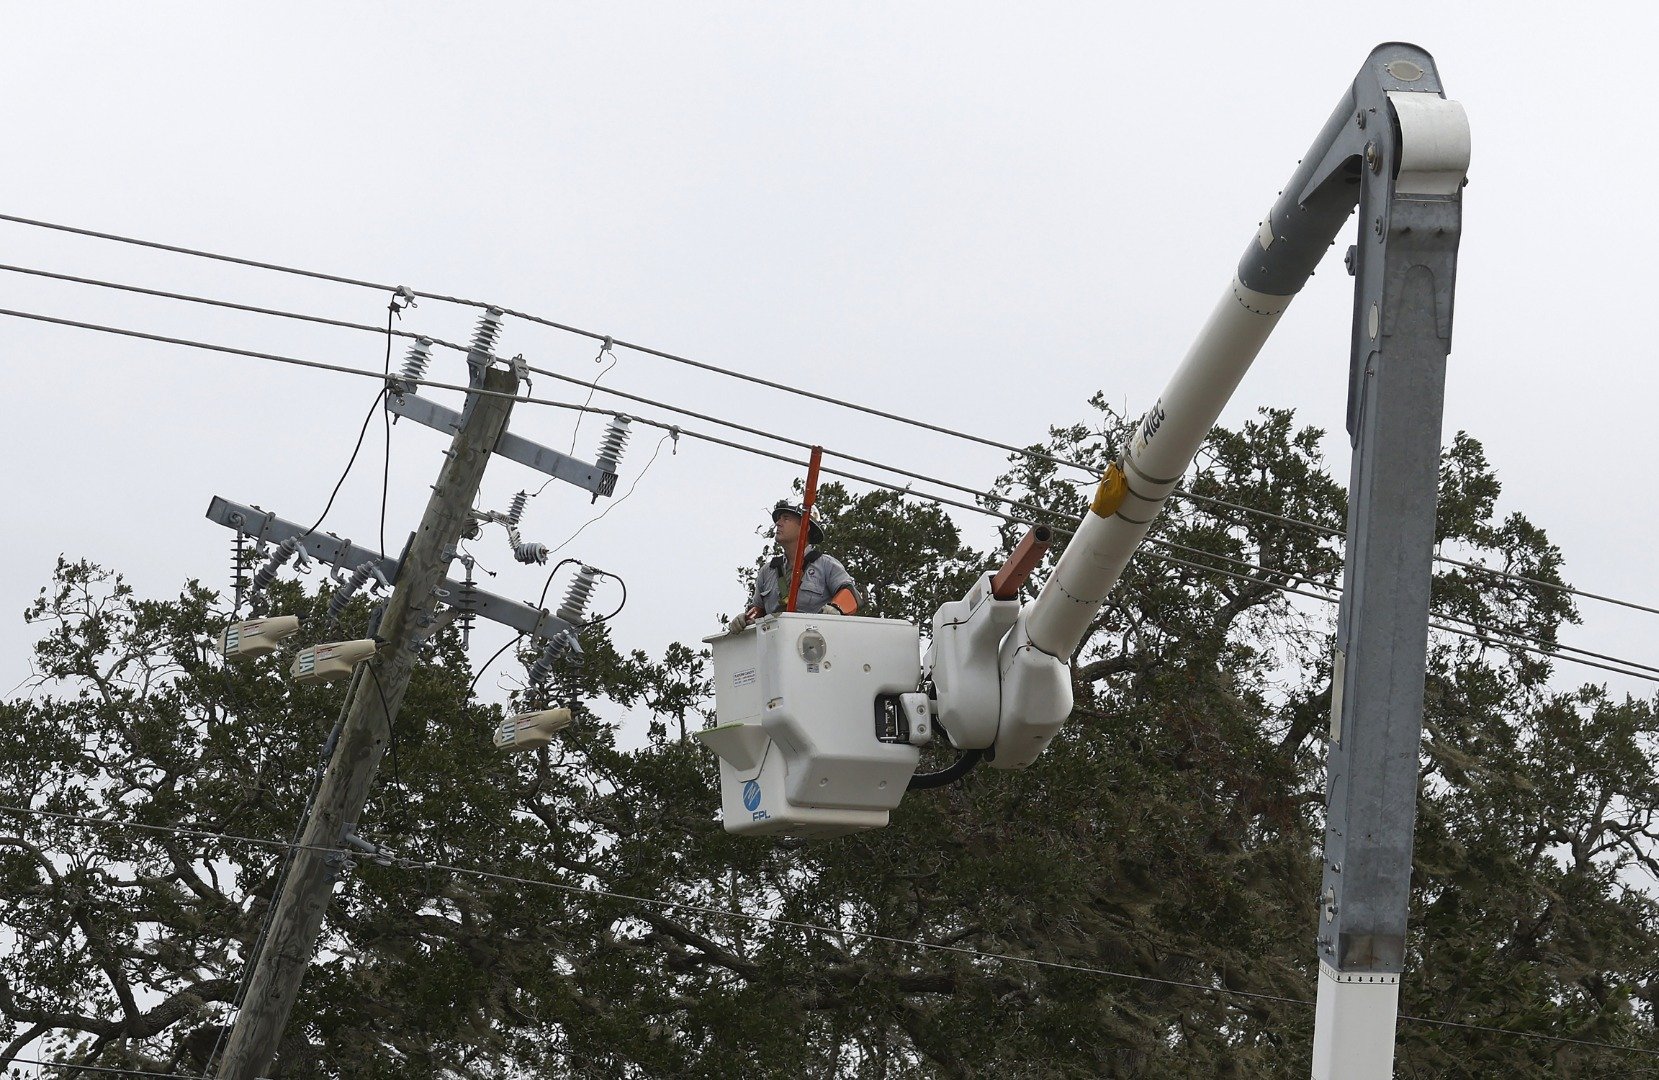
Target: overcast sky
[[974, 214]]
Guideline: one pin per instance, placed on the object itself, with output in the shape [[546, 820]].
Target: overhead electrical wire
[[592, 891], [355, 450], [673, 428], [607, 343], [725, 423], [1027, 452], [109, 1070]]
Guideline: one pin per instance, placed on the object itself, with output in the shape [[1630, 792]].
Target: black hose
[[959, 768]]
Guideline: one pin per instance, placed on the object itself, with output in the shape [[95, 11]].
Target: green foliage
[[1086, 911]]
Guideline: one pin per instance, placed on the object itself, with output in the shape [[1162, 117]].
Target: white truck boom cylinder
[[1136, 485]]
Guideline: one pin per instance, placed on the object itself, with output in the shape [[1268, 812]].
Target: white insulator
[[488, 331], [414, 366], [575, 607], [524, 551], [530, 554], [515, 512], [613, 443]]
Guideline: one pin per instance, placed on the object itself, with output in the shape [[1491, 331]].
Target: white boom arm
[[1136, 485], [1036, 655]]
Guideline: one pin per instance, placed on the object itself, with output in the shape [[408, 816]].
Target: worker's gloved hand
[[830, 609], [737, 622]]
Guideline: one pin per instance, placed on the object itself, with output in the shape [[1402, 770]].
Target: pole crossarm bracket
[[262, 525], [571, 470]]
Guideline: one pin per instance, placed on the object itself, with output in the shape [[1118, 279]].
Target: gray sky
[[969, 214]]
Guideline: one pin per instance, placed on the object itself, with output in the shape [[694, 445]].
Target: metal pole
[[1412, 166], [282, 962]]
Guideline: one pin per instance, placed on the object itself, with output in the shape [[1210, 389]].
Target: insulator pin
[[349, 588], [524, 551], [530, 554]]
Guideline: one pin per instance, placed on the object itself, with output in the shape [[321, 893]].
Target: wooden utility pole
[[282, 962]]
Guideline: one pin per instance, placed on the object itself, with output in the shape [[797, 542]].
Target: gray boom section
[[1405, 263], [1326, 185], [330, 549], [542, 459]]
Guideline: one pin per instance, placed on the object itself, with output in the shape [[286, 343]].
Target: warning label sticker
[[745, 677]]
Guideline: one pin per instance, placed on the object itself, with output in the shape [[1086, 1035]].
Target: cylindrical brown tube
[[806, 525], [1005, 584]]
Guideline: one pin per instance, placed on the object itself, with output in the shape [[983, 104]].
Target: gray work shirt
[[822, 578]]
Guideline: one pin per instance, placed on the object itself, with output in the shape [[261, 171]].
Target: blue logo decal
[[751, 795]]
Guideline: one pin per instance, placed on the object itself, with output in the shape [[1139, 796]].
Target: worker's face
[[788, 528]]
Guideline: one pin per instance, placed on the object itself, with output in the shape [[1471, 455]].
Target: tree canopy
[[1138, 903]]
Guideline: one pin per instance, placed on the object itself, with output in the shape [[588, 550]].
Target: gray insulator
[[560, 645], [465, 605], [414, 366], [268, 572], [516, 511], [488, 331], [613, 443], [575, 607], [349, 588]]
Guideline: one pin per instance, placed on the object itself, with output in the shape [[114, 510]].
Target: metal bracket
[[541, 458], [531, 621]]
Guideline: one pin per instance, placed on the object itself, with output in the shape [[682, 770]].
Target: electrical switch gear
[[253, 638], [527, 731], [331, 662]]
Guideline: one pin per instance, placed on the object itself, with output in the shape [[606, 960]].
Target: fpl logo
[[751, 796]]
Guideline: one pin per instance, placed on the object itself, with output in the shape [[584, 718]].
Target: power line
[[1560, 652], [1027, 452], [608, 341], [123, 1071], [1484, 633], [378, 398], [616, 502], [591, 385], [763, 453], [176, 249], [190, 298], [818, 928]]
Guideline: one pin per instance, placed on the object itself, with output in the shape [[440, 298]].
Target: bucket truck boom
[[803, 752]]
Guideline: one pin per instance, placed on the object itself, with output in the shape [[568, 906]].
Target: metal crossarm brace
[[260, 524], [542, 459]]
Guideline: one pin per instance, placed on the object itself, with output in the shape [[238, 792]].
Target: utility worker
[[826, 587]]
